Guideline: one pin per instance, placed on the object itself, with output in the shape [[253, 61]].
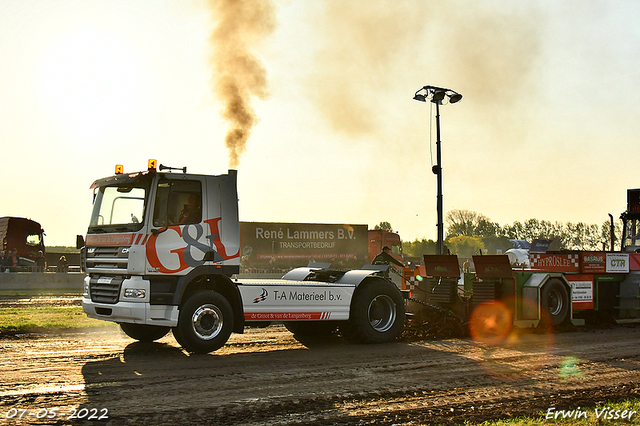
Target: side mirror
[[79, 241]]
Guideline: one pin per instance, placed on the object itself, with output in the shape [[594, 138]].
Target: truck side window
[[178, 202], [160, 208]]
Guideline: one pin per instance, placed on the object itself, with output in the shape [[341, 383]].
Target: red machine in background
[[558, 288], [24, 235]]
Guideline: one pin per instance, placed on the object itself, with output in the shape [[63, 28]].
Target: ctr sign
[[618, 262]]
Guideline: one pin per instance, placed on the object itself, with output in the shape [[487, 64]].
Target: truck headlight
[[86, 289], [135, 293]]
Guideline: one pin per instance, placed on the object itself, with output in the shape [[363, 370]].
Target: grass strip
[[31, 292], [39, 319]]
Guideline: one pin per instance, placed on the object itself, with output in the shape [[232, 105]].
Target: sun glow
[[92, 83]]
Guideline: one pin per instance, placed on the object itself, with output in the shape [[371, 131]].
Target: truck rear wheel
[[143, 332], [377, 313], [205, 322], [554, 301]]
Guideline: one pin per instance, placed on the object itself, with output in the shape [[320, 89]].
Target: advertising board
[[581, 291], [594, 262], [556, 262], [618, 262], [282, 246]]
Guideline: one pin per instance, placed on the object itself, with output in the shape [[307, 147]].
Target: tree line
[[469, 232]]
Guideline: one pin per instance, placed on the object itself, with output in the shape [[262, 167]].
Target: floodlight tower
[[436, 95]]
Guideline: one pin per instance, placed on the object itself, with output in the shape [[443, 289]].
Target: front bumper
[[130, 310], [137, 313]]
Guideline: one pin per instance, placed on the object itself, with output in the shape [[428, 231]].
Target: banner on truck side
[[295, 301], [556, 262]]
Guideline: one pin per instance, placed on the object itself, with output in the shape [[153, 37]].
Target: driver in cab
[[192, 211]]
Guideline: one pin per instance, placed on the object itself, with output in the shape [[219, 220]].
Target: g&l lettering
[[192, 235]]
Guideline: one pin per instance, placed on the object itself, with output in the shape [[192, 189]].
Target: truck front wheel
[[377, 313], [144, 333], [205, 322]]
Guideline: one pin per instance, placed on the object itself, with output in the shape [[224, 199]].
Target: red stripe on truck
[[297, 316]]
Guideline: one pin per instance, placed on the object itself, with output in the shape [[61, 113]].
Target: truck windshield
[[34, 239], [118, 208]]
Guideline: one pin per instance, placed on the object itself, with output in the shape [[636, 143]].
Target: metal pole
[[438, 172], [612, 232]]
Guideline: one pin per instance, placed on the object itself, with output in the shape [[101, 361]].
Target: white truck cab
[[161, 251]]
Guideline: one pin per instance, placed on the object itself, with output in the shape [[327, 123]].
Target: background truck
[[274, 248], [281, 246], [161, 251], [25, 235], [379, 238]]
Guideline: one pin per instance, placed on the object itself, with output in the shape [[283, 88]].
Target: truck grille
[[107, 260], [105, 289]]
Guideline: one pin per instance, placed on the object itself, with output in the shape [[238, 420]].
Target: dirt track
[[265, 377]]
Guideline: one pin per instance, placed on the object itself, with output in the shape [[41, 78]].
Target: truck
[[162, 253], [273, 247], [380, 238], [281, 246], [24, 235], [551, 289]]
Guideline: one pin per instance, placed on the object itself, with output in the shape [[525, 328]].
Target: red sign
[[581, 291], [556, 262], [594, 262]]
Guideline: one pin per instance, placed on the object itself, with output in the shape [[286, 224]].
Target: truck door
[[178, 237]]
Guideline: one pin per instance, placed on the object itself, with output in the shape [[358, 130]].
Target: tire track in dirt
[[266, 377]]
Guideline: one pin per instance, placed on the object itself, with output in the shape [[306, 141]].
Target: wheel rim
[[382, 313], [207, 321], [555, 302]]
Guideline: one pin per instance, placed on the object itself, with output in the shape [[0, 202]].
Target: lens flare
[[569, 368], [490, 323], [508, 352]]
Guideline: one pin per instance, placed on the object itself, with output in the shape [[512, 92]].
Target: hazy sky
[[548, 126]]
